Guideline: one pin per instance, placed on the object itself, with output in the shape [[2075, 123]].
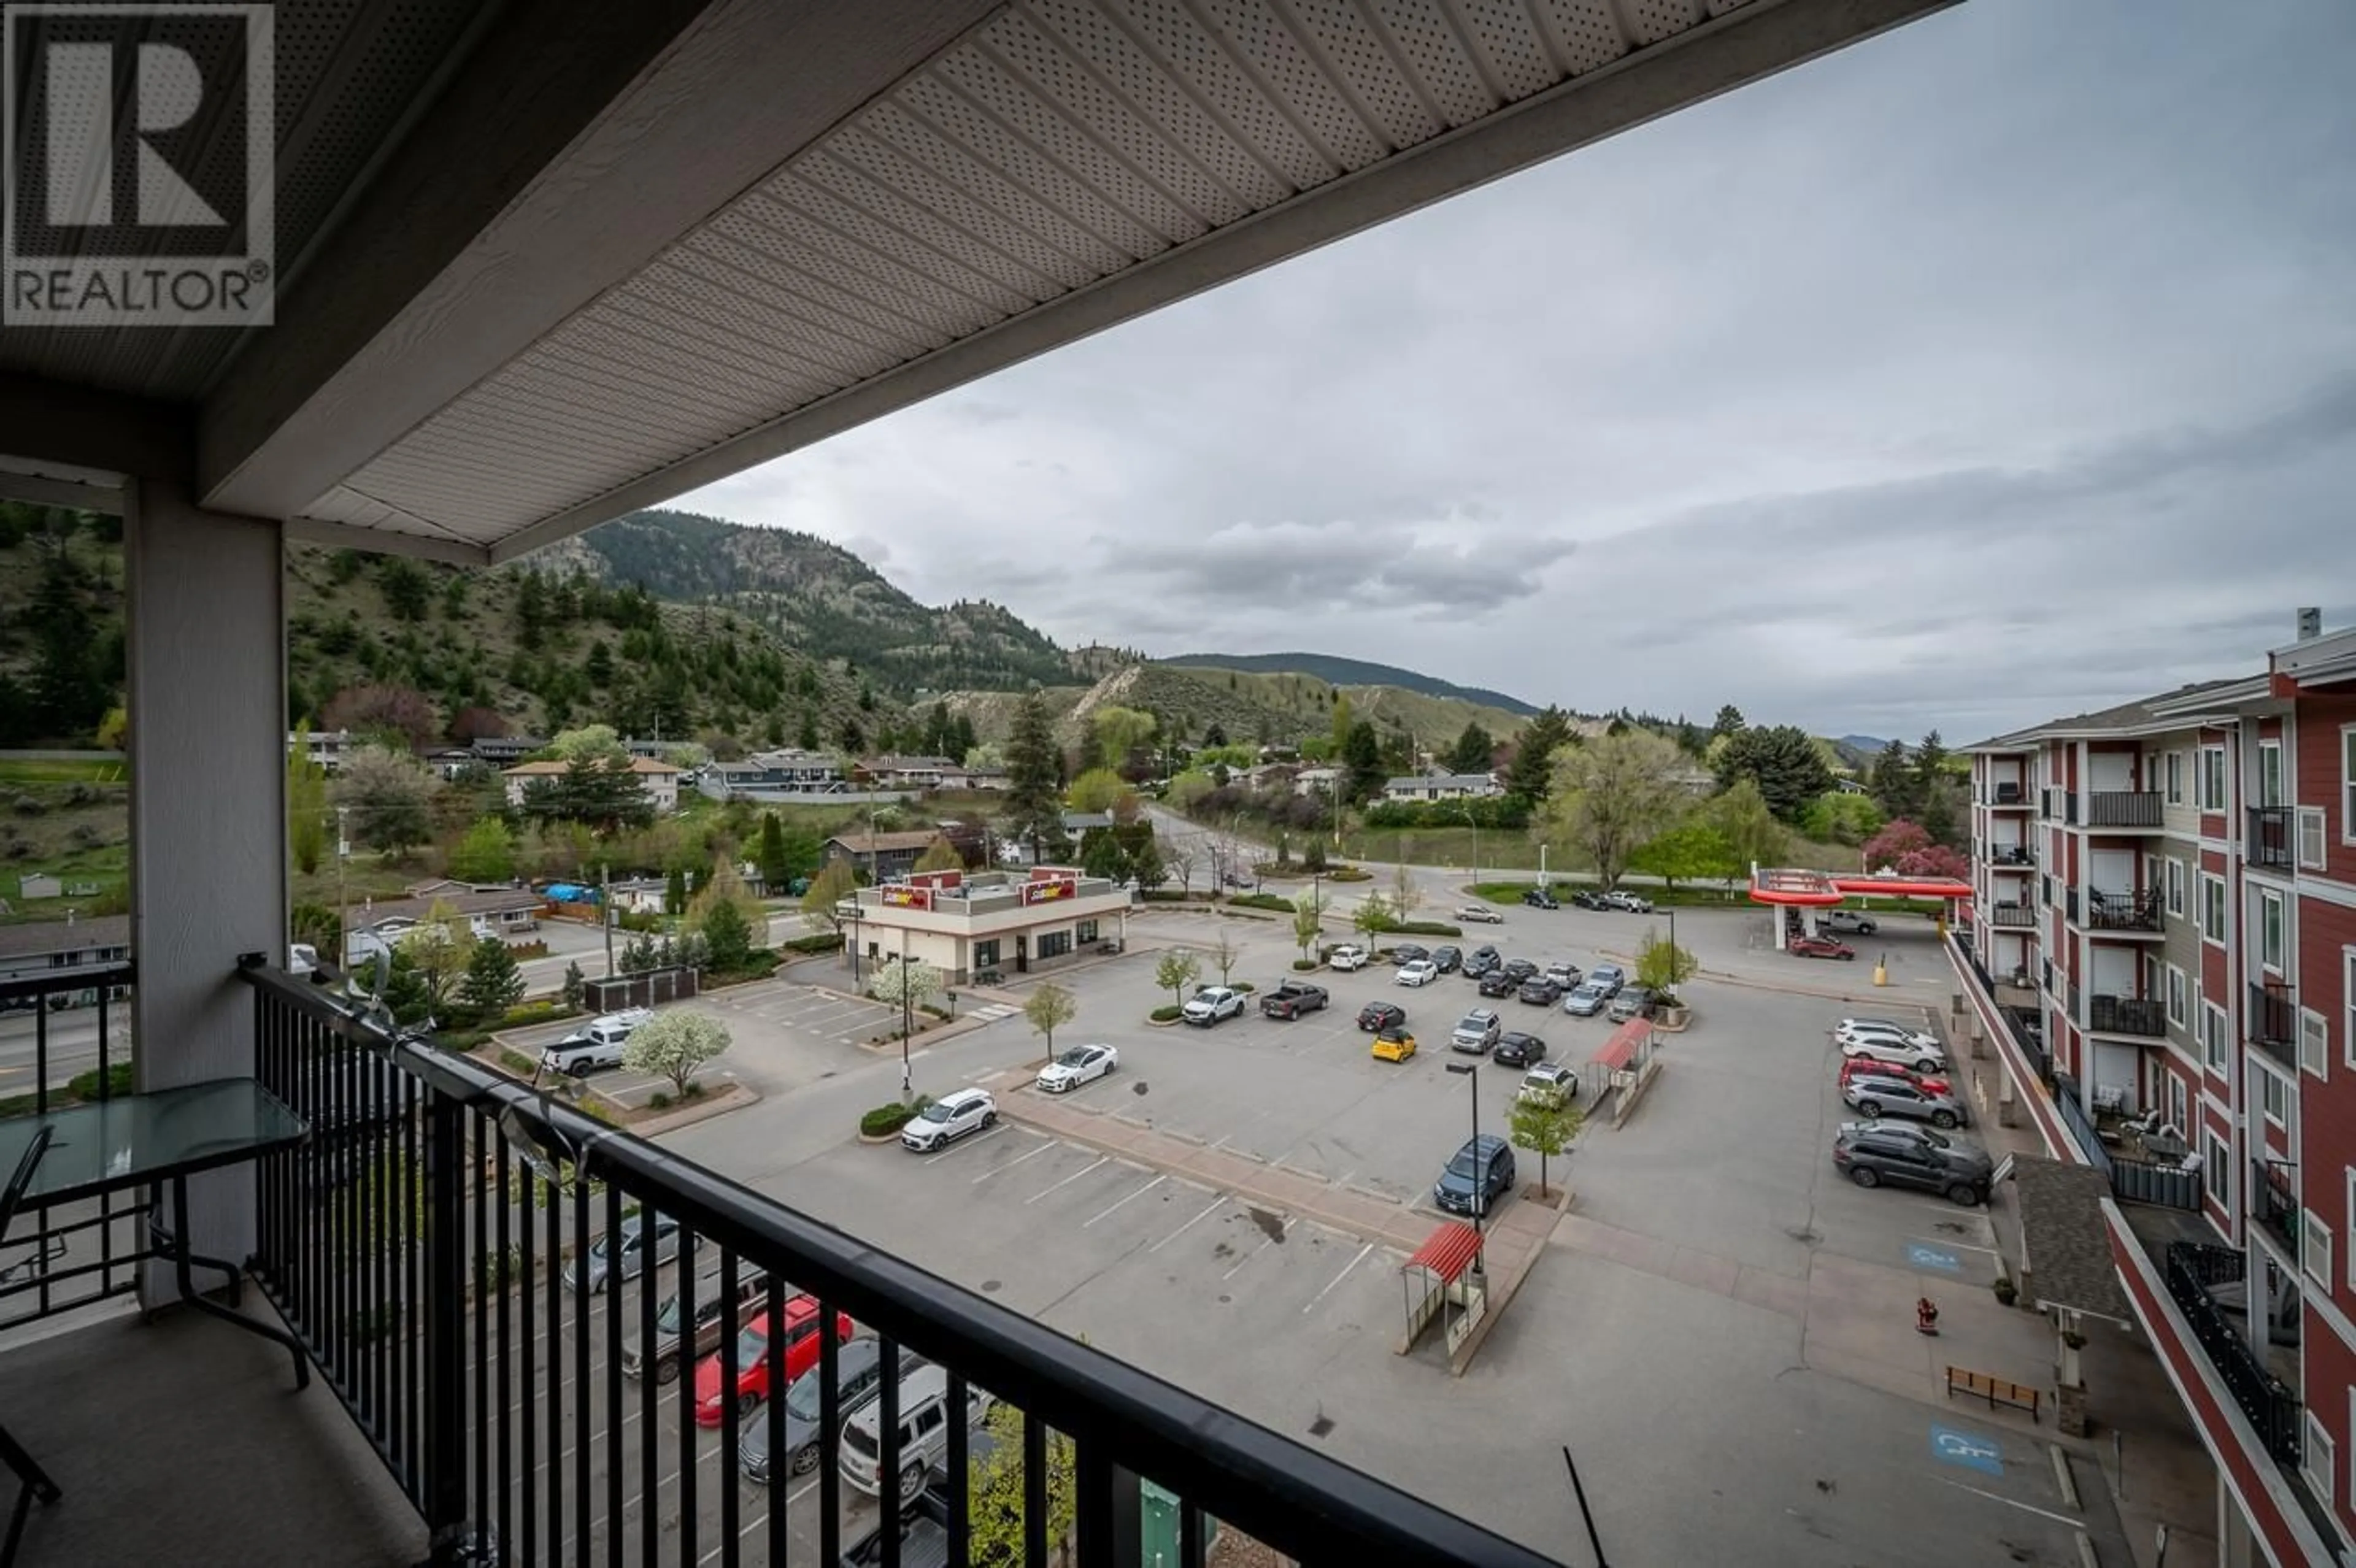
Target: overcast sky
[[1996, 368]]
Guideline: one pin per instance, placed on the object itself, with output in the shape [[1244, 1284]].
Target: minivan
[[924, 1432], [752, 1295]]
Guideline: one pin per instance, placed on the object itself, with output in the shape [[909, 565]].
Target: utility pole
[[907, 1015], [606, 911], [343, 896]]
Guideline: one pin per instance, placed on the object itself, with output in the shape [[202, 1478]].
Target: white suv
[[948, 1118], [1348, 956], [597, 1043], [1899, 1049]]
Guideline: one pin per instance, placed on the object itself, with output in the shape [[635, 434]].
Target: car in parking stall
[[673, 1345], [1866, 1066], [1481, 1173], [1878, 1099], [949, 1118], [1481, 961], [1519, 969], [1477, 1031], [1499, 982], [1587, 998], [1380, 1016], [1848, 1030], [1626, 903], [1348, 956], [1480, 914], [1549, 1085], [1564, 973], [1081, 1064], [1610, 976], [745, 1376], [1819, 947], [1448, 960], [1393, 1043], [1211, 1004], [1416, 972], [1410, 953], [1292, 999], [597, 1043], [1540, 898], [1634, 1002], [1516, 1049], [621, 1255], [1587, 898], [1539, 992], [858, 1373], [1893, 1154]]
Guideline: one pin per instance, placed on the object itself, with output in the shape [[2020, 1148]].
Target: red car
[[1866, 1067], [1821, 947], [752, 1358]]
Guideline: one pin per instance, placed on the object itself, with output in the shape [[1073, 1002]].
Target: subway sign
[[1048, 893], [898, 897]]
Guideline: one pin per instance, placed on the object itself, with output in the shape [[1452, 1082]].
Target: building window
[[2270, 931], [2217, 1173], [2175, 774], [2349, 1176], [1086, 931], [2273, 1096], [2317, 1461], [2348, 784], [2213, 908], [2179, 998], [2179, 1101], [2270, 772], [2314, 1246], [2347, 1003], [2311, 838], [2176, 889], [2212, 1037], [2212, 778], [2314, 1043], [985, 955], [1055, 944]]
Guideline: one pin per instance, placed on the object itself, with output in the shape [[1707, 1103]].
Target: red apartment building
[[2162, 943]]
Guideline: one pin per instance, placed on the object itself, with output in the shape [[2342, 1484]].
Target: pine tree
[[494, 982], [1531, 770], [1034, 766]]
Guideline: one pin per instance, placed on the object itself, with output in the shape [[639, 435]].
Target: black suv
[[1518, 1049], [1539, 898], [1449, 959], [1519, 969], [1875, 1152], [1408, 953], [1498, 982], [1541, 992], [1481, 961], [1380, 1015], [1586, 899], [1481, 1172]]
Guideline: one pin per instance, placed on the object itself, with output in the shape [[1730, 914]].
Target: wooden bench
[[1996, 1391]]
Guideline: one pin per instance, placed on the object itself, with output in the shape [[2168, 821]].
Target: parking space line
[[1189, 1225], [1011, 1164], [1338, 1278], [1286, 1230], [1101, 1159], [1138, 1193], [953, 1147]]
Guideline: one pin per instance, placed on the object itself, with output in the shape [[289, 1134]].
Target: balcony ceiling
[[539, 268]]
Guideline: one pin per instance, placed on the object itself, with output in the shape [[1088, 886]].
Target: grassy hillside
[[1334, 670]]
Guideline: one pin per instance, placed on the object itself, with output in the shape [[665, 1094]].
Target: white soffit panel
[[1057, 145]]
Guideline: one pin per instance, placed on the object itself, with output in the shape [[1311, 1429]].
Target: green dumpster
[[1160, 1511]]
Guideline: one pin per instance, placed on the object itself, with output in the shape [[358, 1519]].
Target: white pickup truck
[[597, 1043]]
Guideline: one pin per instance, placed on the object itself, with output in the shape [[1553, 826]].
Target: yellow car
[[1393, 1044]]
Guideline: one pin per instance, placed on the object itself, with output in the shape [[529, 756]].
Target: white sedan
[[1077, 1066], [1417, 972]]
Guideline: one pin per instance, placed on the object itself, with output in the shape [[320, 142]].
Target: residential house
[[324, 748], [658, 780], [1442, 787], [880, 857], [1078, 822], [908, 773], [509, 911], [41, 949], [504, 751], [986, 778], [1316, 781]]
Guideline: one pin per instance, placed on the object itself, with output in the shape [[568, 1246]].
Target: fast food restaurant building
[[964, 922]]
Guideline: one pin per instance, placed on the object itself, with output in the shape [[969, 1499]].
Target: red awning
[[1621, 1048], [1447, 1253]]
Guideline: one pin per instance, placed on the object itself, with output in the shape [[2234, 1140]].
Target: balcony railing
[[425, 1243], [2011, 914], [2191, 1268], [2274, 1201], [2130, 911], [2013, 855], [2005, 795], [2144, 1015], [2059, 806], [2274, 837], [60, 1256], [2123, 809], [2272, 1020]]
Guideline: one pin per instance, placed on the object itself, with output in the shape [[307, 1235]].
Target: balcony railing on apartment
[[2274, 1201], [2274, 837], [2135, 910], [2144, 1015], [425, 1244], [2011, 915], [2272, 1021], [60, 1256], [2005, 795], [2123, 809], [2191, 1269], [2013, 855], [2059, 806]]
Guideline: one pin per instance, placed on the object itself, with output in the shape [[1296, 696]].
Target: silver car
[[1878, 1097], [622, 1255]]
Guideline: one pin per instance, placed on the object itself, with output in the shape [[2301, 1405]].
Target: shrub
[[658, 1101], [1425, 928], [1246, 987], [1164, 1013], [1349, 874], [84, 1086], [823, 942], [517, 1063], [1304, 966], [1169, 895], [1262, 901], [539, 1012], [887, 1119]]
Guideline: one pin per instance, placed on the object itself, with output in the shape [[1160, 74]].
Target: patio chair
[[36, 1482]]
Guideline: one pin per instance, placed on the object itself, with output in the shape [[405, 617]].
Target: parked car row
[[1893, 1076], [1619, 901]]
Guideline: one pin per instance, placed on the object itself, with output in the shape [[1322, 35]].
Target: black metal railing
[[2144, 1015], [2029, 1034], [2059, 806], [2123, 809], [2011, 914], [2013, 855], [2272, 1020], [426, 1244], [2274, 1201], [2274, 837], [2004, 794], [2191, 1268], [2082, 1126], [2134, 910], [64, 1034], [2076, 1000], [2070, 906]]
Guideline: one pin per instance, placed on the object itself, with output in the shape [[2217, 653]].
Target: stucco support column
[[207, 708]]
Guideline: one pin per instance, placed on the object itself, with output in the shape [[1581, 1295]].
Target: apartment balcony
[[2059, 805], [2194, 1272], [2271, 1022], [2006, 797], [2129, 913], [2122, 808], [2274, 1204], [474, 1407], [2273, 842], [2143, 1017], [2012, 857], [2011, 914]]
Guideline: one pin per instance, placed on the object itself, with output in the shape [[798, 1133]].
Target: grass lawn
[[1504, 851], [39, 770]]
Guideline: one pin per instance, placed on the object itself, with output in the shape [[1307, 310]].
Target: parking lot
[[1720, 1318]]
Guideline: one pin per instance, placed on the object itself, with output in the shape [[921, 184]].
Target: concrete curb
[[737, 1097]]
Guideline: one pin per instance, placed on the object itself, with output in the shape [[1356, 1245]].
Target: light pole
[[1542, 871], [1471, 1069], [908, 1015], [343, 897]]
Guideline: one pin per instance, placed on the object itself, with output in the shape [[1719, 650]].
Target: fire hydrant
[[1926, 1316]]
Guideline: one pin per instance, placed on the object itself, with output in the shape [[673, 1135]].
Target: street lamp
[[1471, 1069], [908, 1015]]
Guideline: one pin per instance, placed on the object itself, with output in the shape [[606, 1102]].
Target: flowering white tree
[[673, 1045], [907, 985]]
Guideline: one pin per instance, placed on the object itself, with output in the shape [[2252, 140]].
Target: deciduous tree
[[1049, 1007], [1099, 789], [940, 854], [1690, 852], [831, 887], [1308, 922], [1224, 955], [1177, 969], [1611, 796], [1839, 816], [1121, 734], [1546, 1130], [1662, 966], [391, 796], [486, 853], [1751, 832], [674, 1045], [396, 715], [1373, 917], [439, 948]]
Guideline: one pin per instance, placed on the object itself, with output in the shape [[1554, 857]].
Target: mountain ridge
[[1337, 669]]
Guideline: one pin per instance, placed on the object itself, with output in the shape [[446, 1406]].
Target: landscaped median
[[882, 1124]]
